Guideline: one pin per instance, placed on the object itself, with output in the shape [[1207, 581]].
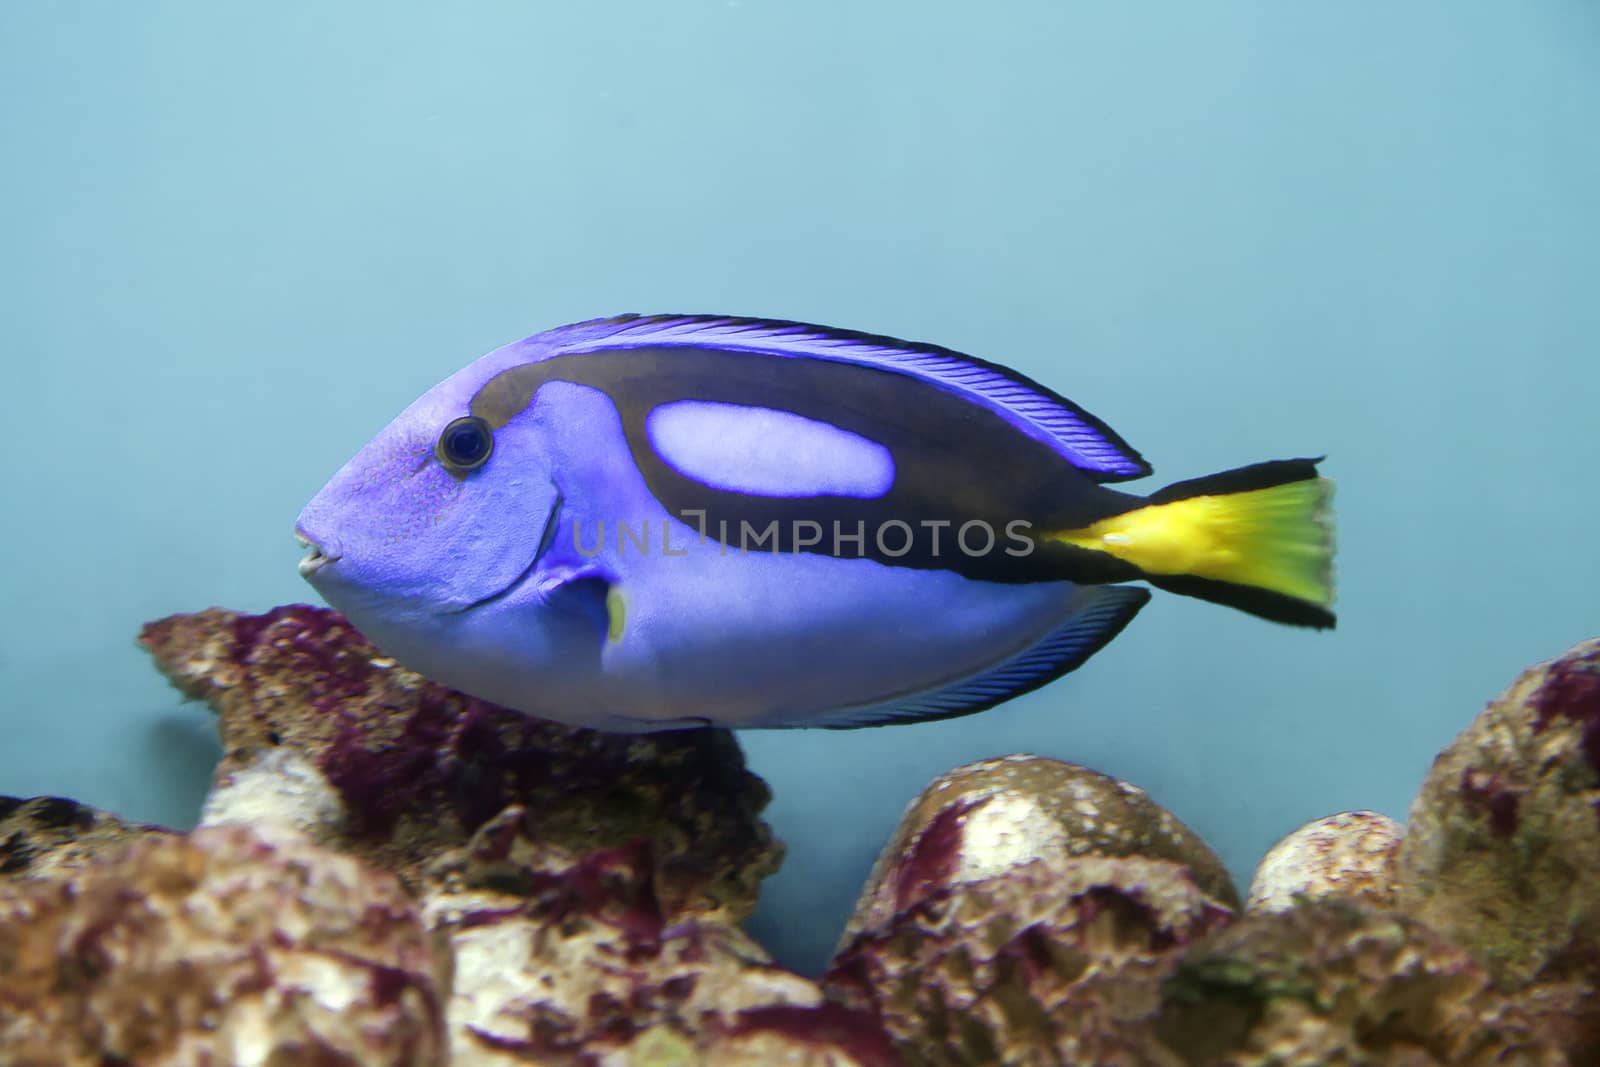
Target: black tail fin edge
[[1240, 480], [1263, 603]]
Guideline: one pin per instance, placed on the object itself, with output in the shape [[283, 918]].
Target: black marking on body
[[853, 346], [955, 460]]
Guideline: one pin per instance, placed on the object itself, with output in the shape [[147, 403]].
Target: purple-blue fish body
[[646, 523]]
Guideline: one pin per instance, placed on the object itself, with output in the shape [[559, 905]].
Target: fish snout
[[316, 559]]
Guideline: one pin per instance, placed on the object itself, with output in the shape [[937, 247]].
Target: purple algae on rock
[[1024, 912], [221, 946], [324, 733], [584, 965], [979, 819], [1058, 960]]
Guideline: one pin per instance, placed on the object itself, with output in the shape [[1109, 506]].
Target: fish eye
[[465, 444]]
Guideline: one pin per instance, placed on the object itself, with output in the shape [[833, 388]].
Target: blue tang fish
[[645, 523]]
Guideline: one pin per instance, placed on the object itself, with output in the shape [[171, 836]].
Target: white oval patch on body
[[767, 452]]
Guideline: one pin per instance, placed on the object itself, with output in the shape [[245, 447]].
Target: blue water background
[[235, 240]]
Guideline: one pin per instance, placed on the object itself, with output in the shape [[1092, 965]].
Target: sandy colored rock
[[52, 837], [1352, 855], [582, 965], [1332, 983], [825, 1036], [1502, 851], [324, 734], [1052, 961], [986, 817], [221, 947]]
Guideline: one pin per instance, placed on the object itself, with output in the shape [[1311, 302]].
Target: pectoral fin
[[589, 593]]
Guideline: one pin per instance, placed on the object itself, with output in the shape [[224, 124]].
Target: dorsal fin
[[1079, 437], [1098, 613]]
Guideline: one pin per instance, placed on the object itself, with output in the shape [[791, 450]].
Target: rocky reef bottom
[[388, 872]]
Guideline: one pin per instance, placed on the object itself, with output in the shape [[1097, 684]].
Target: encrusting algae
[[393, 873]]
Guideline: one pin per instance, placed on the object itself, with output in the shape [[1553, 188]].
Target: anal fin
[[1098, 613]]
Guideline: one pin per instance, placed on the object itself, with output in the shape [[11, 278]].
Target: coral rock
[[583, 965], [1053, 961], [1351, 855], [221, 947], [323, 733], [1502, 852], [986, 817], [1328, 982], [51, 837]]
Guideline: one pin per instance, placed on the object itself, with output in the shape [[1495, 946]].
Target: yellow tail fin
[[1259, 538]]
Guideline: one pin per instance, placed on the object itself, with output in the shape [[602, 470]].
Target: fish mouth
[[314, 560]]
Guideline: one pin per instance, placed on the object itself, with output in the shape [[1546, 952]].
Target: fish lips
[[319, 556]]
